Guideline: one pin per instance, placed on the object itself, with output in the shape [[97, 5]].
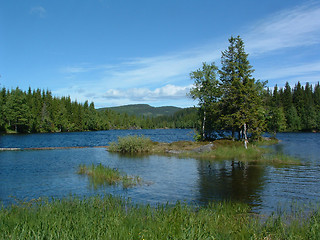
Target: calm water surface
[[52, 173]]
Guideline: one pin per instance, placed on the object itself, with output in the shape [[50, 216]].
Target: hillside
[[144, 110]]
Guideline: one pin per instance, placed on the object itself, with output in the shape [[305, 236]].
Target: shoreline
[[47, 148]]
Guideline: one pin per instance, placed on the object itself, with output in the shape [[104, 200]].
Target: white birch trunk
[[203, 125], [245, 135]]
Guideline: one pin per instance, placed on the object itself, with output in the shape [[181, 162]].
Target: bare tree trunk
[[245, 135], [203, 125]]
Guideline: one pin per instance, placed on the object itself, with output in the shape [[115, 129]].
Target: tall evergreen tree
[[17, 111], [309, 122], [241, 102], [2, 109]]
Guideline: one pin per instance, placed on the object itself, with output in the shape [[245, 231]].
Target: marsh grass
[[131, 144], [238, 152], [101, 175], [224, 149], [280, 159], [109, 217], [232, 150]]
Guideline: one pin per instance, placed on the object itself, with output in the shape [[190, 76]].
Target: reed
[[108, 217], [101, 175]]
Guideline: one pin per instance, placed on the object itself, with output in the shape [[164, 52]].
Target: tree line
[[231, 100], [293, 109], [37, 111]]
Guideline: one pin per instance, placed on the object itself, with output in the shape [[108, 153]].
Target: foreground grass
[[101, 175], [115, 218]]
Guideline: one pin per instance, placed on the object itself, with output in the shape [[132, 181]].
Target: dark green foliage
[[294, 109], [146, 110], [207, 90], [38, 111], [184, 118], [234, 102], [16, 111], [3, 97], [240, 104]]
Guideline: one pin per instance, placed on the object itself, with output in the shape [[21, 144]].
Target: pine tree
[[241, 102], [3, 96], [309, 122], [316, 98], [17, 111]]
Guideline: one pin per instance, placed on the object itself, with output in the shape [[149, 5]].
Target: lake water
[[27, 174]]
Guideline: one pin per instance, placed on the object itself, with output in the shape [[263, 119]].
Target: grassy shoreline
[[110, 217], [217, 150]]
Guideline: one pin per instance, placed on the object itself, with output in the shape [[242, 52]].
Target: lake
[[30, 174]]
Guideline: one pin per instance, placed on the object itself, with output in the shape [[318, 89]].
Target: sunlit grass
[[235, 150], [101, 175], [131, 144], [116, 218], [223, 149]]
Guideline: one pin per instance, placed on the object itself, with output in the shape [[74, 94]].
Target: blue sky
[[117, 52]]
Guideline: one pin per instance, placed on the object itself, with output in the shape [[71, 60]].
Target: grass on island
[[131, 144], [221, 150], [116, 218], [101, 175]]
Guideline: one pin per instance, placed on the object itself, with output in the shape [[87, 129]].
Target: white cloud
[[144, 94], [299, 26], [132, 80], [293, 71], [38, 11], [158, 70]]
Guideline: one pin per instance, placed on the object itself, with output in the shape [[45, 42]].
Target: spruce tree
[[241, 103]]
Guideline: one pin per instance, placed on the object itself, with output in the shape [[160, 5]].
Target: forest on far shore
[[37, 111]]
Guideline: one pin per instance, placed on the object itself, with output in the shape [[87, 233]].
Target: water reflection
[[222, 181], [53, 173]]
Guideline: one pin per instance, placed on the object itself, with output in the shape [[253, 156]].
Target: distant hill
[[144, 110]]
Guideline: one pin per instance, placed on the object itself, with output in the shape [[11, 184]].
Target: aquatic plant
[[101, 175], [107, 217]]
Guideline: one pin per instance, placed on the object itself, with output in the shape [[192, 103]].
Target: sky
[[119, 52]]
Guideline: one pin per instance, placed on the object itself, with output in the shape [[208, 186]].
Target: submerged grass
[[101, 175], [116, 218]]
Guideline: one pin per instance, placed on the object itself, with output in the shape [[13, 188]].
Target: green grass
[[131, 144], [234, 150], [223, 149], [238, 152], [101, 175], [116, 218]]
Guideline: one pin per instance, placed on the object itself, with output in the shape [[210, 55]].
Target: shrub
[[131, 144]]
